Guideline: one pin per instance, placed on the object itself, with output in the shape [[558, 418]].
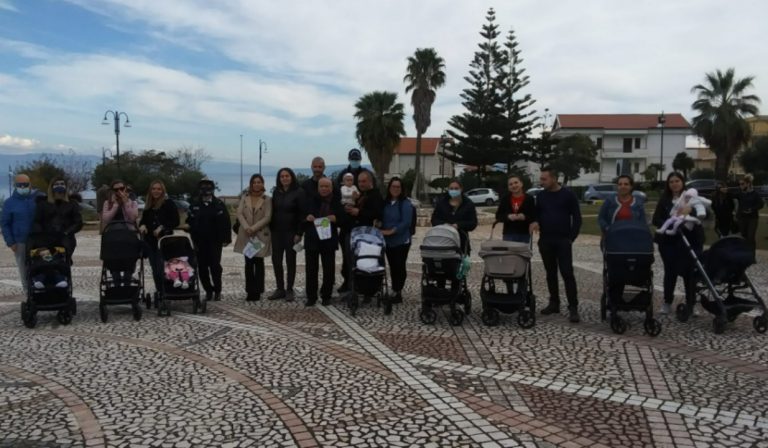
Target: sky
[[198, 73]]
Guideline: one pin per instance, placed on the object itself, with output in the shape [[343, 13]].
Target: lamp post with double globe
[[116, 115], [662, 120]]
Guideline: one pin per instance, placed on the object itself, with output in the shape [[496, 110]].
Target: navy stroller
[[47, 262], [627, 261]]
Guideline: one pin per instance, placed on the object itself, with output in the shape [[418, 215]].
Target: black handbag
[[236, 227]]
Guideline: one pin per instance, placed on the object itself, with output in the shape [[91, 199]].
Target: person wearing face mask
[[58, 218], [355, 158], [456, 210], [17, 217], [211, 229]]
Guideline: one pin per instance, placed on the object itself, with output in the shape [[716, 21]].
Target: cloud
[[7, 5], [18, 143], [23, 49]]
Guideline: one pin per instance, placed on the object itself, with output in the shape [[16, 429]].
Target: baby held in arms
[[680, 213]]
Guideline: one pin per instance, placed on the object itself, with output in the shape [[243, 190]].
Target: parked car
[[534, 191], [601, 192], [182, 205], [140, 203], [483, 196]]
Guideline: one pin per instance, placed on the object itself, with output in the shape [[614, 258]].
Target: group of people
[[318, 215]]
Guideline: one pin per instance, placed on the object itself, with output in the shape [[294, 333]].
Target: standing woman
[[159, 218], [722, 206], [287, 218], [254, 214], [211, 229], [396, 228], [119, 206], [747, 214], [58, 217], [622, 207], [516, 210], [674, 254], [456, 210]]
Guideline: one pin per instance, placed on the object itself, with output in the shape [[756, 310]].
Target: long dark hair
[[403, 193], [294, 183], [667, 191], [258, 176]]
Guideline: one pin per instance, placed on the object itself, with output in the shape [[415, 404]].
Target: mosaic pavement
[[277, 374]]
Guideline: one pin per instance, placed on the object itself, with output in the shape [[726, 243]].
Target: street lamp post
[[263, 144], [104, 152], [662, 119], [241, 163], [116, 119], [10, 181]]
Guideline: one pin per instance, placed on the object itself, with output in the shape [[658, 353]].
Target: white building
[[433, 164], [628, 143]]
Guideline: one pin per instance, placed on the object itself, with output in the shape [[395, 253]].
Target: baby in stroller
[[369, 275], [47, 261], [179, 271], [678, 216]]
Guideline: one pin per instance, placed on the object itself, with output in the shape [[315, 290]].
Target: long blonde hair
[[151, 202]]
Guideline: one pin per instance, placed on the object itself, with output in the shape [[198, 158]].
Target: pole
[[117, 138], [10, 181], [662, 120], [260, 142], [241, 163]]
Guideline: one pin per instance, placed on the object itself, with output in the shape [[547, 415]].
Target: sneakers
[[38, 284], [665, 308], [396, 298], [177, 283], [62, 284], [184, 285], [552, 308], [278, 294], [573, 315]]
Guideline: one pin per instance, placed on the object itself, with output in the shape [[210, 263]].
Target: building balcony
[[620, 154]]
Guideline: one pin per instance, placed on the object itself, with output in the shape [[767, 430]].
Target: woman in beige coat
[[253, 215]]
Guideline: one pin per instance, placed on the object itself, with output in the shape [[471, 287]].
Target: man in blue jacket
[[18, 214], [558, 219]]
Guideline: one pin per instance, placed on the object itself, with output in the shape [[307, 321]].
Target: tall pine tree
[[478, 133], [520, 118]]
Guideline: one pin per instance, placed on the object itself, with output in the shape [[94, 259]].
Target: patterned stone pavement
[[279, 374]]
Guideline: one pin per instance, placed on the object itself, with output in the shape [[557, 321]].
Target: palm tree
[[722, 106], [379, 127], [425, 74]]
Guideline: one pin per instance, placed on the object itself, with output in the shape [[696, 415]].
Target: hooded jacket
[[18, 215]]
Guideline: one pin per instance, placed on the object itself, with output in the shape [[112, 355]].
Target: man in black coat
[[210, 228], [355, 158]]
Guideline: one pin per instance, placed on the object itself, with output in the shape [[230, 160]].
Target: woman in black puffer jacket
[[286, 225], [58, 219]]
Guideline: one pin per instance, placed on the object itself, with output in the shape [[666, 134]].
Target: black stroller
[[507, 285], [177, 246], [442, 253], [627, 261], [368, 270], [121, 283], [722, 284], [48, 267]]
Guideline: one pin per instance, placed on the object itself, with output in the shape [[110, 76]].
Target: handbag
[[236, 226]]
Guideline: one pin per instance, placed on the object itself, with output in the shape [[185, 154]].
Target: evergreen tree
[[519, 116]]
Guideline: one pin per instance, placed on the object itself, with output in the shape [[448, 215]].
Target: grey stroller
[[442, 254]]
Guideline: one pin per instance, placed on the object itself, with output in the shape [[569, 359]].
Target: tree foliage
[[573, 154], [722, 104], [41, 172], [179, 170], [683, 162], [651, 173], [755, 160], [379, 127], [75, 170], [702, 173]]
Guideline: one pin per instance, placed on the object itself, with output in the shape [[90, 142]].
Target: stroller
[[507, 263], [627, 261], [175, 246], [121, 251], [368, 271], [722, 284], [443, 253], [47, 259]]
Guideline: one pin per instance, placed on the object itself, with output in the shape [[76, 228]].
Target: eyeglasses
[[118, 189], [22, 184]]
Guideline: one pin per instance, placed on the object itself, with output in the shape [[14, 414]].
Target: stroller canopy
[[174, 246], [367, 234], [731, 254], [628, 237], [441, 241]]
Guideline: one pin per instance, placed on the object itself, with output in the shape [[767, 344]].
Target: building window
[[637, 167], [627, 145], [599, 142], [637, 143]]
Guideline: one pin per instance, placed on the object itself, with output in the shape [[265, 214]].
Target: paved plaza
[[278, 374]]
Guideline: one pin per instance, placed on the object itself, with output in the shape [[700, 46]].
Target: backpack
[[413, 215]]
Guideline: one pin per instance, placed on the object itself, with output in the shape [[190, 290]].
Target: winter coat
[[611, 207], [398, 216], [255, 218], [18, 215], [371, 206], [166, 216], [59, 221], [209, 223], [465, 216], [287, 211], [314, 206], [661, 214], [527, 208], [749, 203], [110, 211]]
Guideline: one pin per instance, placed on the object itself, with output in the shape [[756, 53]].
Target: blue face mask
[[454, 193], [354, 164], [59, 189], [22, 191]]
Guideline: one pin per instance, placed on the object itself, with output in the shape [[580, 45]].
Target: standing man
[[558, 219], [210, 228], [17, 218], [318, 172], [354, 157]]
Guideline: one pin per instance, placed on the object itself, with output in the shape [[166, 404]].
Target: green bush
[[702, 173]]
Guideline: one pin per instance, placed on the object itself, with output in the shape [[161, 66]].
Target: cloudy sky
[[200, 73]]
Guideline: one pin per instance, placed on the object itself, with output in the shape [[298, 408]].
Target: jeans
[[209, 266], [397, 257], [282, 243], [328, 259], [254, 275], [21, 259], [557, 253], [517, 237]]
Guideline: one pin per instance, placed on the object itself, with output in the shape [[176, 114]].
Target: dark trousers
[[344, 242], [557, 253], [677, 263], [254, 275], [155, 259], [397, 257], [209, 266], [748, 230], [328, 259], [282, 243]]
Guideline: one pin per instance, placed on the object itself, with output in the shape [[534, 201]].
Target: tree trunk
[[418, 187], [722, 164]]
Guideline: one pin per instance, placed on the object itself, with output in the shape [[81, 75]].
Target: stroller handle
[[123, 222]]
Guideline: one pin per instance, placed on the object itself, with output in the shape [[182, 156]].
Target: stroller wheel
[[136, 311], [428, 316], [760, 324], [490, 317], [682, 313], [203, 306], [652, 327], [103, 312], [352, 303], [718, 325], [195, 305], [64, 317], [148, 301], [526, 319], [457, 317], [72, 306], [28, 316], [387, 307], [618, 325], [467, 296]]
